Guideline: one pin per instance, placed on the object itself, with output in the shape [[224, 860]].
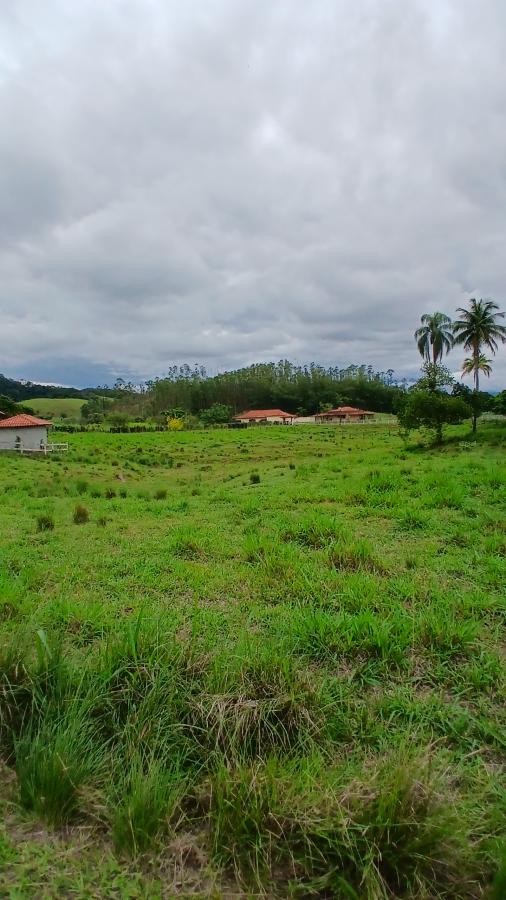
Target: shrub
[[254, 478], [160, 494], [81, 515], [81, 486], [110, 494], [216, 414], [45, 523]]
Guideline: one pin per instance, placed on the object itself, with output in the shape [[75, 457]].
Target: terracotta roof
[[23, 421], [264, 414], [346, 411]]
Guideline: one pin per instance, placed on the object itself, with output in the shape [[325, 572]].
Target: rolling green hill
[[56, 407]]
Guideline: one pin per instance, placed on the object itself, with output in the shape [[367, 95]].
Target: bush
[[254, 478], [175, 424], [81, 515], [160, 494], [216, 414]]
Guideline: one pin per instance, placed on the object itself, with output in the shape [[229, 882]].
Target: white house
[[23, 432]]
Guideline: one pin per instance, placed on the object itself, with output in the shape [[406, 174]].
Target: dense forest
[[298, 389]]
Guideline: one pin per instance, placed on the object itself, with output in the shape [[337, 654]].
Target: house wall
[[30, 437], [269, 420], [323, 419], [341, 419]]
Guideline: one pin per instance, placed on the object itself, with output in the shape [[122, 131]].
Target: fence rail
[[47, 448]]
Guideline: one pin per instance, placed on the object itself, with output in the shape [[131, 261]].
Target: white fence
[[47, 448]]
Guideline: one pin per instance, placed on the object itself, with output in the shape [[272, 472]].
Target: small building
[[344, 414], [24, 432], [265, 417]]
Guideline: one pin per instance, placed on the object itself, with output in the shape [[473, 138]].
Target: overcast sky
[[227, 181]]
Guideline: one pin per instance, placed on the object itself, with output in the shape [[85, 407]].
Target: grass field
[[254, 663], [54, 408]]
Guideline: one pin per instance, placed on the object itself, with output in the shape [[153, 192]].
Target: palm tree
[[473, 367], [476, 328], [434, 337]]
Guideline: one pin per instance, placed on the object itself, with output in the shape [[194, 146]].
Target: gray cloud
[[229, 182]]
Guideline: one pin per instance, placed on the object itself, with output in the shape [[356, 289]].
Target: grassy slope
[[52, 408], [301, 679]]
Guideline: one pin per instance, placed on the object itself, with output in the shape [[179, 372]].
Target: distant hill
[[57, 407], [26, 390]]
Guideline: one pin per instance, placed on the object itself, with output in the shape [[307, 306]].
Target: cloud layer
[[229, 182]]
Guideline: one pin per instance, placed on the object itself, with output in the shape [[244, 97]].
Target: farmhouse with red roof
[[265, 417], [23, 432], [344, 414]]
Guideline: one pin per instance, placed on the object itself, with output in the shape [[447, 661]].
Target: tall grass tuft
[[45, 523], [381, 831], [258, 705], [81, 515], [355, 555], [55, 763], [144, 803]]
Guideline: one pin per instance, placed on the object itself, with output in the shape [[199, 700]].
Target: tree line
[[301, 390], [476, 329]]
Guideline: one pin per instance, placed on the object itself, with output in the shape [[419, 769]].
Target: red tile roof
[[346, 411], [264, 414], [23, 421]]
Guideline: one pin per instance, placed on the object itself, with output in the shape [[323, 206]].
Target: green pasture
[[263, 662], [54, 408]]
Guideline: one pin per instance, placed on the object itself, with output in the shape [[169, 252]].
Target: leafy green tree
[[432, 410], [499, 403], [94, 410], [434, 337], [434, 377], [216, 414], [9, 407], [476, 328], [479, 401]]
